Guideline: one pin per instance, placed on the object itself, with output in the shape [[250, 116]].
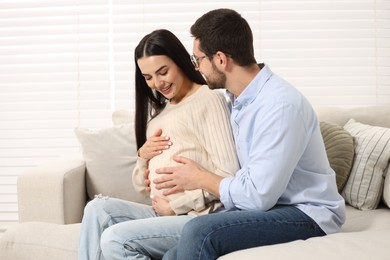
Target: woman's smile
[[165, 90]]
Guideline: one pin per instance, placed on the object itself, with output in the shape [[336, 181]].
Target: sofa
[[51, 197]]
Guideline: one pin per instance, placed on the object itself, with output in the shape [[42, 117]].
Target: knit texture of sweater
[[200, 130]]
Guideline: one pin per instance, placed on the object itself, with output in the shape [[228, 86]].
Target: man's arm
[[189, 176]]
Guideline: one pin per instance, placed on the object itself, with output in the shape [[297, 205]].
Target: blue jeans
[[217, 234], [117, 229]]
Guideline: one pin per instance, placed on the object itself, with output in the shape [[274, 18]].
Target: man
[[285, 189]]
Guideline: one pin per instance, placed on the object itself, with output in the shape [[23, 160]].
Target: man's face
[[215, 78]]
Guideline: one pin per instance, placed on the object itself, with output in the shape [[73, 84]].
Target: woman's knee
[[115, 246], [94, 206], [108, 244]]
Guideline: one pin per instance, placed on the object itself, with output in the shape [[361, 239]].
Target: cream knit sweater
[[200, 130]]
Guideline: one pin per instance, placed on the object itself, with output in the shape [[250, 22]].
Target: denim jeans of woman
[[118, 229], [217, 234]]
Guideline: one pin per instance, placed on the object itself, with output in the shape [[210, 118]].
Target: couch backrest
[[372, 115], [123, 117]]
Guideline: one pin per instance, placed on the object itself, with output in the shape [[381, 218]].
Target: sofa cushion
[[339, 149], [386, 189], [38, 240], [123, 116], [110, 157], [364, 187]]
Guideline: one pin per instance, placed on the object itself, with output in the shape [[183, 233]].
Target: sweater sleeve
[[216, 136], [138, 176]]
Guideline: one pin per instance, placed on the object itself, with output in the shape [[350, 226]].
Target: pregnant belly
[[153, 166]]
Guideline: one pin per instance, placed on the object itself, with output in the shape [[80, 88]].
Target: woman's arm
[[153, 146]]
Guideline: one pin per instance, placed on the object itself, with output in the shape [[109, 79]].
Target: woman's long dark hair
[[149, 103]]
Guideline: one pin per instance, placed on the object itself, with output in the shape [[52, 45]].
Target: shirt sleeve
[[273, 141]]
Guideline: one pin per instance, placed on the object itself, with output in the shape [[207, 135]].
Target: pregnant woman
[[176, 115]]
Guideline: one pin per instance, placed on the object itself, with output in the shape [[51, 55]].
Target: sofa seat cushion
[[37, 240], [365, 235], [365, 220], [340, 246]]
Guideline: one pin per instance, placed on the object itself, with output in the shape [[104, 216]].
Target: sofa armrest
[[54, 192]]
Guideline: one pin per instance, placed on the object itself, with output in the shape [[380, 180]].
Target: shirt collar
[[254, 87]]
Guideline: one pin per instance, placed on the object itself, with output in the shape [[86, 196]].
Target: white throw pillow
[[110, 155], [364, 187]]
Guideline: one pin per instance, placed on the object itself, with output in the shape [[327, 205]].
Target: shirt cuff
[[224, 188]]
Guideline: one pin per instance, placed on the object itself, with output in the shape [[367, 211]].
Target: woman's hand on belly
[[147, 181], [162, 206], [154, 145]]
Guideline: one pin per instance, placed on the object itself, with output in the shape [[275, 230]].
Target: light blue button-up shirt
[[281, 153]]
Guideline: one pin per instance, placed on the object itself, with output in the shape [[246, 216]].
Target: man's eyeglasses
[[196, 60]]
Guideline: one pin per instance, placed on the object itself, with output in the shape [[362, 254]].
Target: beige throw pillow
[[372, 153], [110, 157], [340, 151]]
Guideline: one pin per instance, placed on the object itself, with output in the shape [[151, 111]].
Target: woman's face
[[163, 75]]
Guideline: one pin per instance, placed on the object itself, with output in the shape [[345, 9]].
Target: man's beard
[[217, 79]]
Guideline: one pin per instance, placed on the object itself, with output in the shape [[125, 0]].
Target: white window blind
[[336, 52], [68, 63], [54, 76]]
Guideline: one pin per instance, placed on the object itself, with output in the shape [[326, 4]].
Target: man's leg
[[214, 235]]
